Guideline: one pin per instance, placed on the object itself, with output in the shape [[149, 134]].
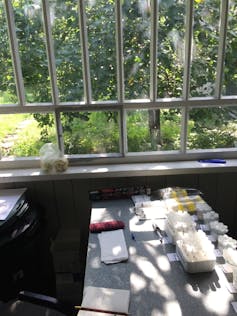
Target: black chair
[[33, 304]]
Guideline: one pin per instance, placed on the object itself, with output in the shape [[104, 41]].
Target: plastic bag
[[51, 158]]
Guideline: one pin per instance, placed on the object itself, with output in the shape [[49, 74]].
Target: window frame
[[121, 104]]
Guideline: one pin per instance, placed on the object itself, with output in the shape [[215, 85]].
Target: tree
[[157, 129]]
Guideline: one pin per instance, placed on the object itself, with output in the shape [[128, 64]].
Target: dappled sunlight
[[163, 289], [151, 245], [148, 269], [138, 282], [100, 170], [163, 263], [190, 291], [156, 283], [212, 303], [6, 175], [100, 215], [117, 250], [95, 263], [132, 250], [159, 167], [172, 308], [35, 173]]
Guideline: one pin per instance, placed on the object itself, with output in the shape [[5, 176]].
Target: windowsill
[[118, 170]]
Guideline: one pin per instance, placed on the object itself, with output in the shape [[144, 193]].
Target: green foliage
[[97, 132], [138, 132]]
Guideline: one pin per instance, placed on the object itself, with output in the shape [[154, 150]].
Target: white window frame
[[121, 104]]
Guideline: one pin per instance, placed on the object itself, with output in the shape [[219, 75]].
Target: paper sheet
[[107, 299]]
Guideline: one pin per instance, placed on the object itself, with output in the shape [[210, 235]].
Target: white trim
[[120, 105], [119, 50], [188, 48], [120, 77], [221, 48], [203, 102], [153, 51], [15, 53], [50, 51], [187, 73], [84, 52], [117, 171]]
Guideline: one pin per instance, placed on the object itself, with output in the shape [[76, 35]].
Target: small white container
[[210, 217], [218, 228], [230, 256], [225, 241]]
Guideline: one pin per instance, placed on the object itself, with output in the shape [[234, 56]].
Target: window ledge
[[118, 170]]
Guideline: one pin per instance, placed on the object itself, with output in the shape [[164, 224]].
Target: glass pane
[[152, 130], [90, 132], [7, 83], [22, 135], [102, 48], [170, 48], [66, 34], [212, 128], [230, 74], [136, 32], [205, 47], [31, 40]]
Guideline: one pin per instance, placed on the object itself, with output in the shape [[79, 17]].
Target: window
[[134, 80]]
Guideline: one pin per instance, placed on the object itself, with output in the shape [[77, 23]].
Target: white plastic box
[[196, 266]]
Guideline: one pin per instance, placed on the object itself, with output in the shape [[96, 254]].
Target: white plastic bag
[[51, 158]]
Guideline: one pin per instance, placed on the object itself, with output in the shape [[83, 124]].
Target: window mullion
[[153, 51], [50, 51], [52, 71], [59, 131], [85, 53], [221, 48], [188, 48], [120, 76], [15, 53], [119, 50], [187, 72]]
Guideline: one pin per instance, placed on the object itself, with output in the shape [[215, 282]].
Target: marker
[[222, 161]]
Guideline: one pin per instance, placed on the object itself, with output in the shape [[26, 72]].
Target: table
[[158, 286]]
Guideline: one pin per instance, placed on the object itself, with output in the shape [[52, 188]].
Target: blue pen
[[222, 161], [133, 236]]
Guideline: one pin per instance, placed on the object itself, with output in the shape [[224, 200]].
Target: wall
[[67, 205]]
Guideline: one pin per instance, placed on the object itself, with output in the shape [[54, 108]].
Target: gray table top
[[158, 286]]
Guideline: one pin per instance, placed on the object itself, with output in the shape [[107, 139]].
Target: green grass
[[9, 122], [28, 142]]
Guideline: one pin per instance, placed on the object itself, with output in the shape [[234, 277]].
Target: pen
[[99, 310], [222, 161], [133, 236], [158, 231]]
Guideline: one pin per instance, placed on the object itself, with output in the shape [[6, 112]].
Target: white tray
[[195, 267]]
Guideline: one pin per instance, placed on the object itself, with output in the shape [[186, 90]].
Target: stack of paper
[[104, 299], [113, 246]]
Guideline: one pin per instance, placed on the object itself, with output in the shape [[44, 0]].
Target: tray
[[197, 266]]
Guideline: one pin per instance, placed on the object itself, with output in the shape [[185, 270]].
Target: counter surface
[[158, 285]]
